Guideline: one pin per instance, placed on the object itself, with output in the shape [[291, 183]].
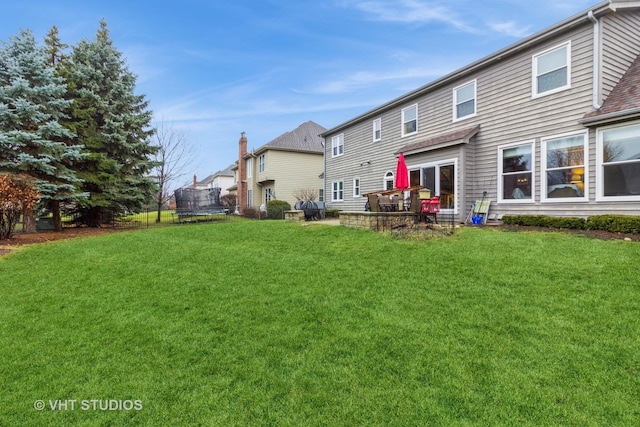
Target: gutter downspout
[[596, 60]]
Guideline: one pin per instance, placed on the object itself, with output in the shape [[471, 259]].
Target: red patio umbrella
[[402, 174]]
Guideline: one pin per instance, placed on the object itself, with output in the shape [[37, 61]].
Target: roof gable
[[305, 137]]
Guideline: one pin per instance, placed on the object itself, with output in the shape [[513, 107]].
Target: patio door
[[441, 179]]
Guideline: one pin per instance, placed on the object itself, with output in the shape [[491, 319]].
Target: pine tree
[[32, 140], [113, 123]]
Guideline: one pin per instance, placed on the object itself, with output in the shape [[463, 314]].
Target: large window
[[564, 168], [261, 161], [618, 163], [249, 198], [515, 168], [337, 145], [337, 193], [552, 70], [268, 195], [410, 120], [464, 101], [377, 129]]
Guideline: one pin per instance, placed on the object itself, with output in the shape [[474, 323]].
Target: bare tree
[[305, 194], [173, 157]]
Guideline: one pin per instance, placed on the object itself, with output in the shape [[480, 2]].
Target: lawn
[[271, 323]]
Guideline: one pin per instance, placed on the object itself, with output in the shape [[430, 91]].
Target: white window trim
[[600, 197], [543, 168], [377, 121], [438, 164], [475, 100], [402, 134], [533, 172], [262, 163], [359, 187], [333, 183], [385, 178], [534, 71], [337, 142]]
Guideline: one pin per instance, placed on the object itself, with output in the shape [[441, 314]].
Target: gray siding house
[[549, 125]]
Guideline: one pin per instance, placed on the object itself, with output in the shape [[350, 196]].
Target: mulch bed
[[22, 239], [594, 234]]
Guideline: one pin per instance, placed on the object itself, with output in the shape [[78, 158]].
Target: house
[[548, 125], [282, 169], [222, 179]]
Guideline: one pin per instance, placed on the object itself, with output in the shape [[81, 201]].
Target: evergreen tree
[[32, 104], [113, 124]]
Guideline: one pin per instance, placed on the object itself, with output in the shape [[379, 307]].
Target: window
[[337, 145], [377, 129], [321, 195], [268, 195], [249, 168], [563, 163], [356, 187], [261, 161], [618, 162], [337, 194], [552, 70], [515, 168], [464, 101], [249, 198], [410, 120], [388, 181]]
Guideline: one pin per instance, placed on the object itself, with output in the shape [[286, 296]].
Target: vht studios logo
[[88, 405]]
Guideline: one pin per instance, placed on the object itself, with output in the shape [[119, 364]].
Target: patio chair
[[374, 206]]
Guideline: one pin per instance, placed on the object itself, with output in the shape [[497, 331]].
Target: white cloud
[[510, 28], [412, 11]]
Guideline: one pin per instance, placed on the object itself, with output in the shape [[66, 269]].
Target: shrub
[[253, 213], [276, 209], [545, 221], [16, 194], [614, 223]]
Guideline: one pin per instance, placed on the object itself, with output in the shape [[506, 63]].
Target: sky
[[213, 69]]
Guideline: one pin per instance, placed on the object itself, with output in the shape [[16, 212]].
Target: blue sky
[[215, 68]]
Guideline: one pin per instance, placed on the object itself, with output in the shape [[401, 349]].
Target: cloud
[[510, 28], [412, 11]]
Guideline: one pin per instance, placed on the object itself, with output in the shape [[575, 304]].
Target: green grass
[[274, 323]]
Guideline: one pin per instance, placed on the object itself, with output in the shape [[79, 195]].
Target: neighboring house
[[549, 125], [282, 168], [223, 179]]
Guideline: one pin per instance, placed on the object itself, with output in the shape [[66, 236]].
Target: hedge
[[610, 223]]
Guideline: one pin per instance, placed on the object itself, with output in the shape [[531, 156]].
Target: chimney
[[242, 172], [195, 180]]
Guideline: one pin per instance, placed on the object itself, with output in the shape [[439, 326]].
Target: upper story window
[[552, 70], [410, 120], [377, 129], [464, 101], [515, 169], [563, 163], [249, 165], [337, 145], [261, 161], [618, 163]]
